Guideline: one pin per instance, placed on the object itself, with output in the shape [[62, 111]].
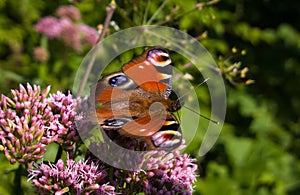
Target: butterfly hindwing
[[158, 130]]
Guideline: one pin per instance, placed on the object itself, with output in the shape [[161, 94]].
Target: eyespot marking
[[118, 80]]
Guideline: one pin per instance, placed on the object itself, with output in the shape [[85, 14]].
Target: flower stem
[[17, 181], [110, 10], [58, 154]]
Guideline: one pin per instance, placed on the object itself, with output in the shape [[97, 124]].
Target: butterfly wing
[[152, 71], [157, 130], [112, 95], [123, 100]]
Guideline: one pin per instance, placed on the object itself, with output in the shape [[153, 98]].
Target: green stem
[[58, 154], [157, 12], [17, 181], [125, 17], [196, 8]]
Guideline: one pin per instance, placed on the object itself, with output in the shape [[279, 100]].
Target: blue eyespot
[[118, 80], [115, 122]]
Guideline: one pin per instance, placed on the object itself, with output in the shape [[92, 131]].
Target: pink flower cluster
[[30, 120], [169, 173], [67, 28], [63, 126], [40, 54], [23, 121], [82, 177], [159, 172], [68, 11], [173, 174]]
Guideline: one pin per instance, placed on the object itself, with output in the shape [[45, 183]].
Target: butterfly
[[136, 102]]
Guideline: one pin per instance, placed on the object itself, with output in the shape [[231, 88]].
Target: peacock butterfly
[[135, 103]]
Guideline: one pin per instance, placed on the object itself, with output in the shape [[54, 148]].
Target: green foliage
[[258, 150]]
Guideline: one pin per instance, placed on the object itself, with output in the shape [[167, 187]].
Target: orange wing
[[157, 130], [144, 126], [150, 72]]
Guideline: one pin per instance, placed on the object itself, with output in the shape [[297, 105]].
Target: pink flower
[[90, 35], [48, 26], [63, 29], [69, 33], [29, 121], [63, 126], [67, 29], [40, 54], [23, 120], [170, 173], [160, 172], [69, 12], [83, 177]]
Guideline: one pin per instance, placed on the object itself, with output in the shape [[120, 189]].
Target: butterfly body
[[135, 102]]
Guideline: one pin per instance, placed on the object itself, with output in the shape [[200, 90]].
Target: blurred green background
[[259, 148]]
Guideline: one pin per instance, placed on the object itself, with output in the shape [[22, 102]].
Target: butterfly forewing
[[152, 71]]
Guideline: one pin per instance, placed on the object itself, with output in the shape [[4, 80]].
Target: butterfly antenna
[[185, 94], [213, 121], [204, 81]]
